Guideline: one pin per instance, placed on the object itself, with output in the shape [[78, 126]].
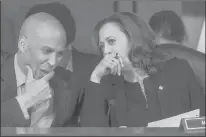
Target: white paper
[[175, 120]]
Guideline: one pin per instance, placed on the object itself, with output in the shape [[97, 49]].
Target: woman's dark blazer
[[180, 93]]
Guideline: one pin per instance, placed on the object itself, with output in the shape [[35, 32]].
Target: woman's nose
[[106, 53], [107, 50]]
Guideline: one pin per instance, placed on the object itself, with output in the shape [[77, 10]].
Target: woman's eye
[[111, 41]]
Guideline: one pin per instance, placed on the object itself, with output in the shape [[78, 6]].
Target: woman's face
[[112, 39]]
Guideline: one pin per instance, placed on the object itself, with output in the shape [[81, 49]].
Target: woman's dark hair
[[169, 25], [141, 38], [61, 13]]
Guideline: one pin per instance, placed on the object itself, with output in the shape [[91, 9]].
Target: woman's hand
[[110, 64]]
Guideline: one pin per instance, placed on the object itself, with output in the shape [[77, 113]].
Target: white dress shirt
[[44, 119]]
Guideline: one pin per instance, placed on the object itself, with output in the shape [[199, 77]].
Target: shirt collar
[[67, 61], [20, 76]]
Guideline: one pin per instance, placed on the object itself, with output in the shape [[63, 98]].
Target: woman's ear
[[22, 44]]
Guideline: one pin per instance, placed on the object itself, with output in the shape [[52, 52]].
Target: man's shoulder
[[6, 58], [176, 67], [7, 63], [61, 75]]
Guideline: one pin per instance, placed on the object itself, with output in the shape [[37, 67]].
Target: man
[[33, 93], [73, 60]]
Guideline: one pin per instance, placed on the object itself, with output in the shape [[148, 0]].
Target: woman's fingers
[[110, 65], [120, 59], [116, 65]]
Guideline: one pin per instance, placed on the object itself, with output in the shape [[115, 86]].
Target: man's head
[[169, 26], [43, 38]]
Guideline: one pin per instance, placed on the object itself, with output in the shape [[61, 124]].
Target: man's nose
[[53, 60]]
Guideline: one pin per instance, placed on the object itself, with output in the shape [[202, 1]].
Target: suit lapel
[[56, 85], [60, 84], [9, 85]]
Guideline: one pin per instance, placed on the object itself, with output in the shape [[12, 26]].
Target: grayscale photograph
[[102, 67]]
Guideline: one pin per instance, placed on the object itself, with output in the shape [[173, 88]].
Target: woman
[[153, 85]]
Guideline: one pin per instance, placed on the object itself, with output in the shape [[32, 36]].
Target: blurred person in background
[[168, 27], [172, 38]]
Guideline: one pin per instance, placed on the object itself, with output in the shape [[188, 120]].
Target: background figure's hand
[[36, 91], [110, 64]]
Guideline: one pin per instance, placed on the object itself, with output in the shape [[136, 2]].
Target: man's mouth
[[45, 72]]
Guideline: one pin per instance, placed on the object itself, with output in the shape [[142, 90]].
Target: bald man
[[31, 92]]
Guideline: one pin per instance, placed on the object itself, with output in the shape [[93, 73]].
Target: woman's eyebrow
[[110, 37]]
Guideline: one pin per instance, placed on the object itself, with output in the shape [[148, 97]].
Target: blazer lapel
[[9, 85], [154, 108]]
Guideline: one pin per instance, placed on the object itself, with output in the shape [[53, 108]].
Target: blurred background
[[88, 12]]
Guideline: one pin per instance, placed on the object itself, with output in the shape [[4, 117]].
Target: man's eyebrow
[[47, 47]]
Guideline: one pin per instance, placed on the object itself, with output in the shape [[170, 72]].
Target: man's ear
[[22, 44]]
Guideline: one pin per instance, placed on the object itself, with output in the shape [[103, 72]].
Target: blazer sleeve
[[93, 113], [65, 97], [12, 115], [65, 107], [197, 96]]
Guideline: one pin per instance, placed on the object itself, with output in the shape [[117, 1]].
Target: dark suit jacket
[[65, 99], [181, 93]]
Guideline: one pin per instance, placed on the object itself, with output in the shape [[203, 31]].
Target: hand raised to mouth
[[36, 91], [110, 64]]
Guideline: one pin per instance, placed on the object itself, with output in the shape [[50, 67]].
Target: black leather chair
[[194, 57]]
